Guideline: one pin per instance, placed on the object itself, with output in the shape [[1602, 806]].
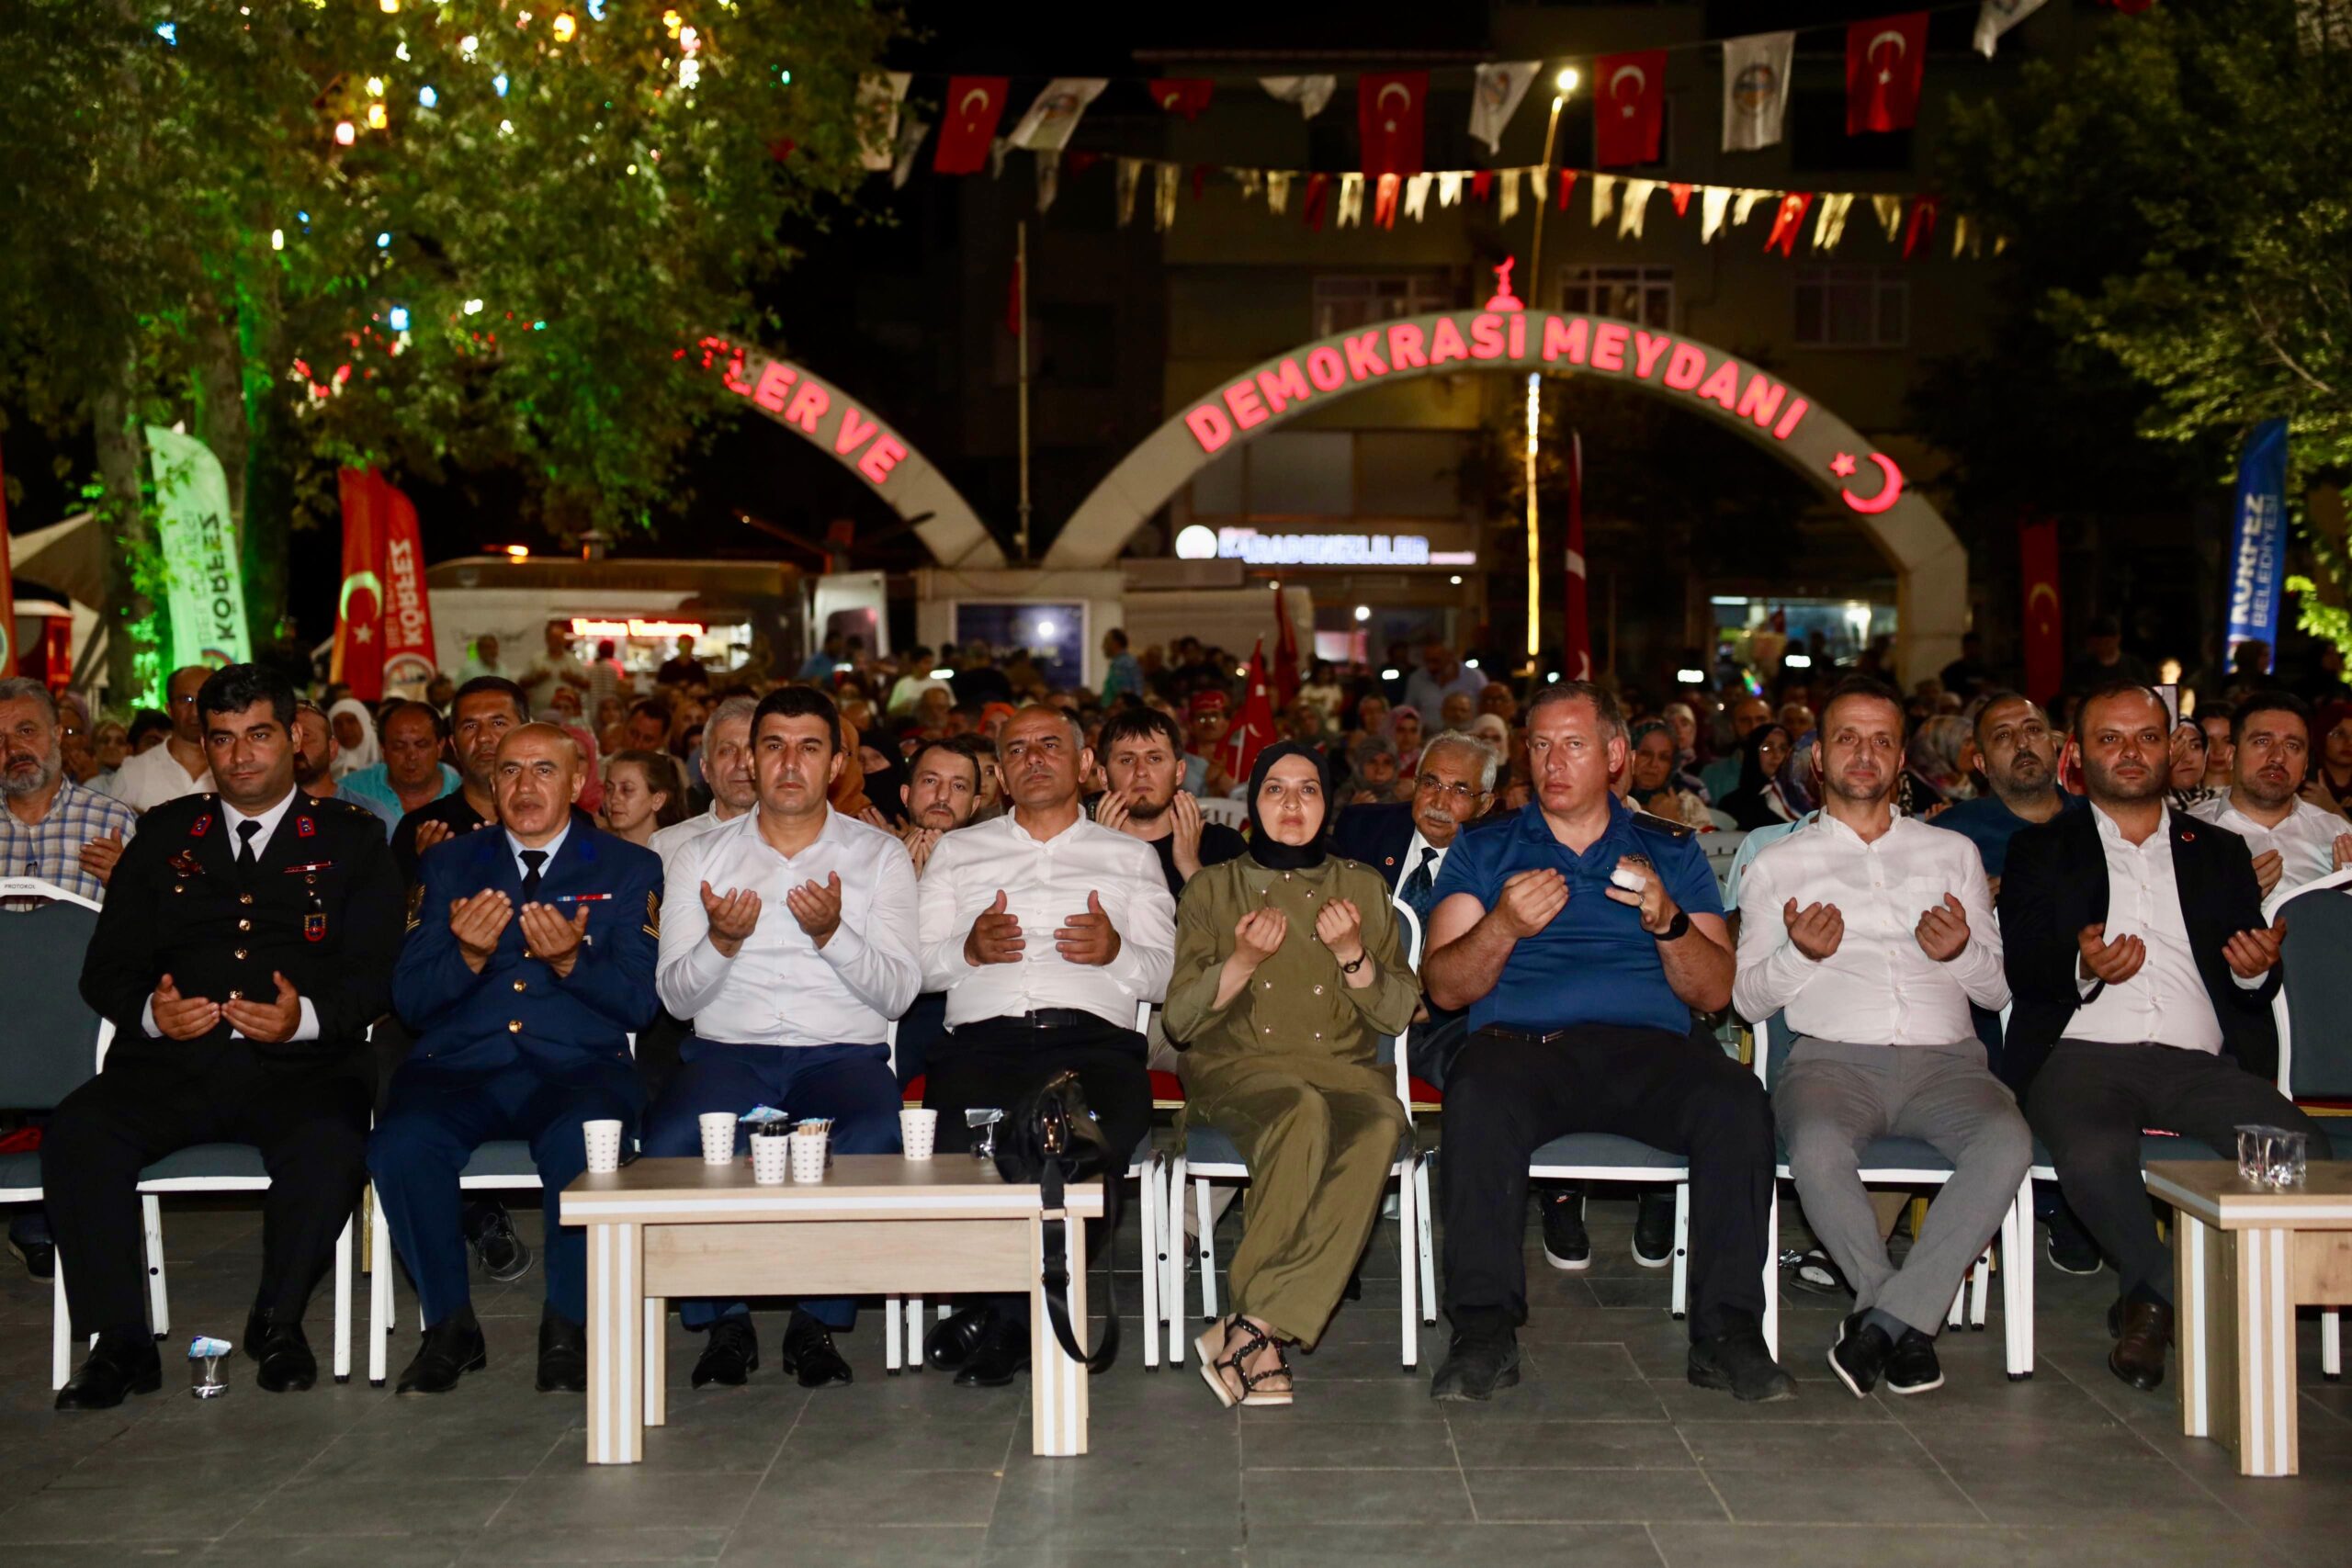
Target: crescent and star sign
[[964, 108], [1641, 82], [1889, 492], [1381, 103], [1885, 74]]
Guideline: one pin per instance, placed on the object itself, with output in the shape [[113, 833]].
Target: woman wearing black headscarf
[[886, 776], [1757, 802], [1289, 967]]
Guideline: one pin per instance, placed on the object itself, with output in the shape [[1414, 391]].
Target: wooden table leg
[[2267, 1430], [657, 1359], [2196, 1252], [1057, 1391], [616, 1344]]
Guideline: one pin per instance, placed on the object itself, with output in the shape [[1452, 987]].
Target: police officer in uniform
[[529, 962], [246, 943]]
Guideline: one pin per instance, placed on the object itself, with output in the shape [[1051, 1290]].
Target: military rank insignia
[[653, 916], [416, 905], [201, 827], [304, 828]]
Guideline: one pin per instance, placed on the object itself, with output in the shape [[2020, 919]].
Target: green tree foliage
[[2178, 207], [530, 210]]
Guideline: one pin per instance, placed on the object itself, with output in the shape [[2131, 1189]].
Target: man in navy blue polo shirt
[[1581, 936]]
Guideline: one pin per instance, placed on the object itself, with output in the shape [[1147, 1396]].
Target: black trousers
[[1507, 1098], [309, 1121], [2089, 1103], [991, 1065]]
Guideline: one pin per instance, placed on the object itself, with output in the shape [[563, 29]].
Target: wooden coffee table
[[2244, 1259], [878, 1225]]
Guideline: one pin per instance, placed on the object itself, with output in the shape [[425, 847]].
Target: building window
[[1853, 307], [1345, 303], [1643, 294]]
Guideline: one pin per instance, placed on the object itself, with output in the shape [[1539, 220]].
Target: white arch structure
[[1930, 563]]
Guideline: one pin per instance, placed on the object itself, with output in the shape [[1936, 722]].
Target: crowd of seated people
[[507, 920]]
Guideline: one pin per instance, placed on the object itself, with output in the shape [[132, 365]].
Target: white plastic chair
[[1224, 811], [1415, 1264], [1911, 1162]]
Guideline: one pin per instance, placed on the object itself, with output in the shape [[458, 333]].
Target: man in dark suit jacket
[[246, 943], [2143, 976], [529, 962]]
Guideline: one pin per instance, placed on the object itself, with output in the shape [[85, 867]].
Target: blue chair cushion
[[2152, 1145], [1204, 1145], [241, 1161], [1893, 1153], [1607, 1149], [501, 1157], [20, 1172]]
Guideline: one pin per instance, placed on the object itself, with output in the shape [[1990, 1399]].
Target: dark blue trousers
[[435, 1119], [852, 1086]]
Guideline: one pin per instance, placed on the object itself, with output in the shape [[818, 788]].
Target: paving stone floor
[[1604, 1455]]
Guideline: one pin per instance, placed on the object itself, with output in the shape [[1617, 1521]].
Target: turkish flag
[[1389, 116], [359, 658], [967, 124], [1186, 95], [2045, 643], [1628, 107], [1253, 727], [1884, 61], [8, 593], [1285, 654]]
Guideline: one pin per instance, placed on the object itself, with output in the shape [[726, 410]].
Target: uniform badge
[[304, 828], [415, 905], [652, 927], [202, 826], [186, 865], [314, 926]]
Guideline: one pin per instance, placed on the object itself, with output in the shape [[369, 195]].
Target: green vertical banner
[[199, 546]]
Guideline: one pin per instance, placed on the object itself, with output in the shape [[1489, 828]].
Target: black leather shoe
[[1914, 1368], [1567, 1245], [563, 1355], [452, 1348], [1001, 1354], [731, 1356], [120, 1364], [1740, 1362], [951, 1344], [2144, 1330], [503, 1256], [1860, 1355], [40, 1258], [1477, 1364], [807, 1353], [1654, 1230], [286, 1361], [2072, 1250]]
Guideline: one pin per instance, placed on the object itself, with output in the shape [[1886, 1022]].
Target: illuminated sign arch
[[853, 435], [1930, 562]]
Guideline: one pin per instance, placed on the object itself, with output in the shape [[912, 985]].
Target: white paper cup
[[807, 1155], [718, 1137], [918, 1132], [604, 1140], [771, 1159]]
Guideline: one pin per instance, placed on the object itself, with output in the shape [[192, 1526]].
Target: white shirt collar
[[2110, 831], [515, 847], [231, 817]]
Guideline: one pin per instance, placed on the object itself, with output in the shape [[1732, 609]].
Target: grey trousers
[[1833, 1098]]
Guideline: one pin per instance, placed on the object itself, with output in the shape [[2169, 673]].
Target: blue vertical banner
[[2257, 560]]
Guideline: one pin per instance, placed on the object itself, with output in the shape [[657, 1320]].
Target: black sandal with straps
[[1213, 1368]]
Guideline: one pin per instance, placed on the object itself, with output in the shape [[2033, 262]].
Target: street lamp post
[[1566, 82]]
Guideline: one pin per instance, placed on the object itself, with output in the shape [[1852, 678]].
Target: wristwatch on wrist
[[1677, 928], [1351, 968]]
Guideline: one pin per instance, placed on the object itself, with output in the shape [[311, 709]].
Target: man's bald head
[[537, 777]]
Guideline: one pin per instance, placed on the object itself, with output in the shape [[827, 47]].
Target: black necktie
[[1419, 886], [532, 859], [245, 832]]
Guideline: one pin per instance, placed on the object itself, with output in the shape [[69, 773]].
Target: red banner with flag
[[7, 591], [2045, 642], [1628, 107], [1578, 659], [383, 627], [1254, 727], [1186, 95], [1388, 115], [1285, 669], [1885, 62], [967, 123]]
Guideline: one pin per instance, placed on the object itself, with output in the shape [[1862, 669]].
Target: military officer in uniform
[[246, 943], [528, 964]]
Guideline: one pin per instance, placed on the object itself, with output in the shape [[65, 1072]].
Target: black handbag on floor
[[1050, 1138]]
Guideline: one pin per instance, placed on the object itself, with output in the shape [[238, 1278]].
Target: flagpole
[[1021, 304], [1567, 83]]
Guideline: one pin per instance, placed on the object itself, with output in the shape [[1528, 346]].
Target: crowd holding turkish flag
[[1628, 107], [1886, 61], [1388, 115], [967, 123]]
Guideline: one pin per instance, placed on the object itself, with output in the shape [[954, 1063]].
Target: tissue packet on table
[[762, 1115], [202, 1349]]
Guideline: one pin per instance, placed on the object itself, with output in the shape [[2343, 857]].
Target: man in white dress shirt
[[1046, 928], [179, 766], [2292, 841], [790, 945], [1870, 933], [728, 765]]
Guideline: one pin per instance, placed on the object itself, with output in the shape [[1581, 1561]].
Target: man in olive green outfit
[[1289, 966]]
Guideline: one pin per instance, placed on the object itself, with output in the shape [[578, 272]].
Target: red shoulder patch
[[202, 826], [304, 828]]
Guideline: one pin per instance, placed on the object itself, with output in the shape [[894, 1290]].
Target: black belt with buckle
[[1526, 1036], [1043, 1017]]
